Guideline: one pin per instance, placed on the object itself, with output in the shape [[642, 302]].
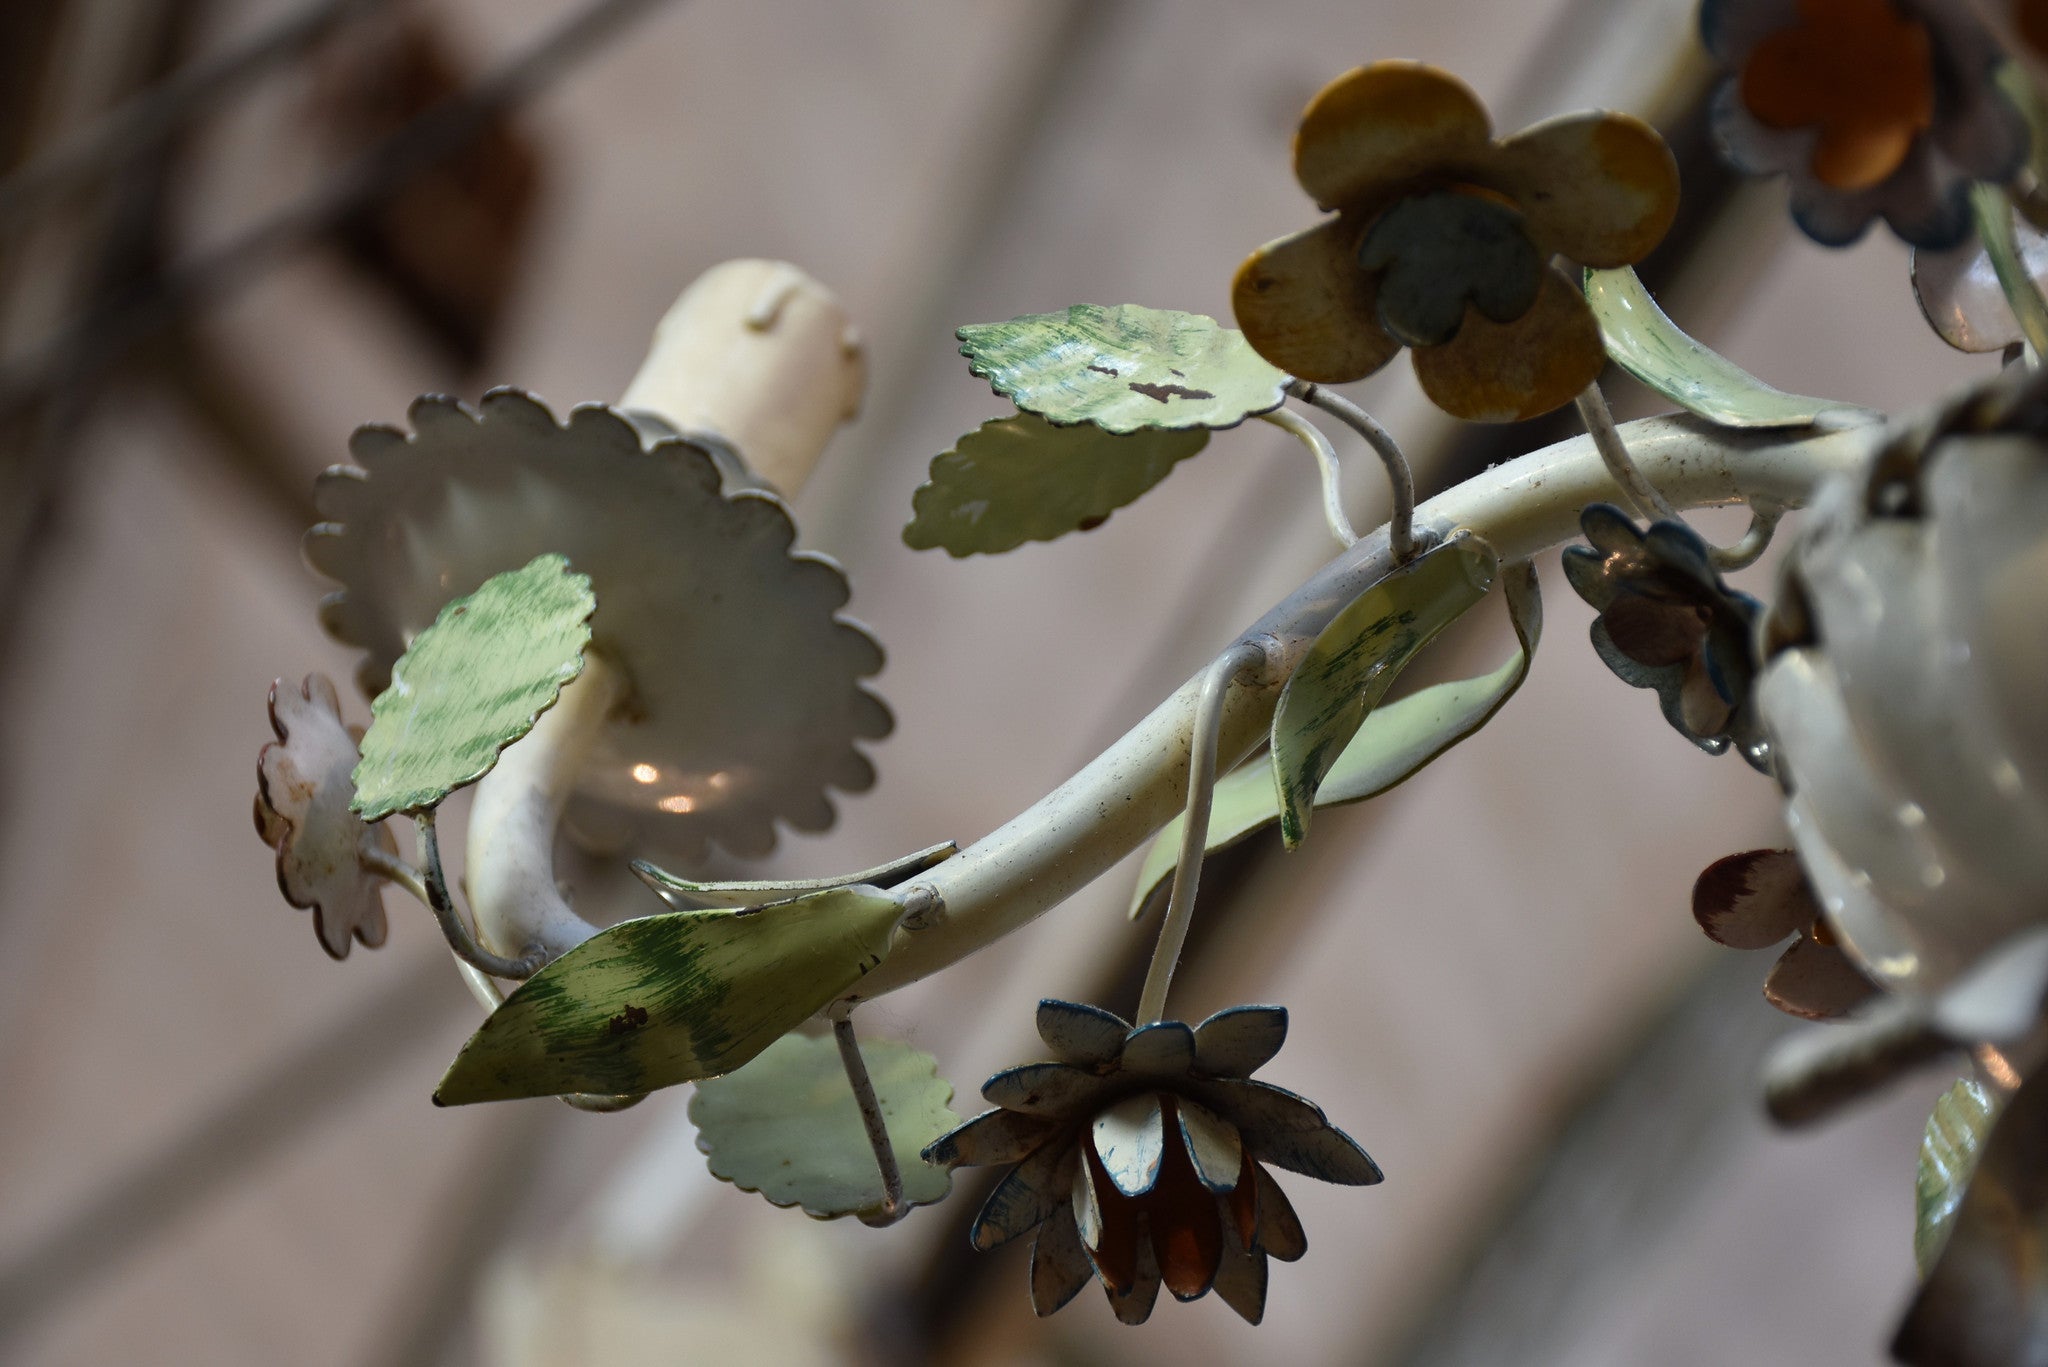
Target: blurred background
[[231, 230]]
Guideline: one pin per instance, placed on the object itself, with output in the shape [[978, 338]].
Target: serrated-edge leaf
[[684, 895], [471, 684], [1357, 657], [1642, 339], [1956, 1131], [1396, 741], [1124, 367], [1020, 479], [787, 1126], [673, 998]]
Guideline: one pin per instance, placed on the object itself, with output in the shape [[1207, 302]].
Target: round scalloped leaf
[[672, 998], [471, 684], [787, 1126], [1356, 659], [1124, 368], [1020, 479], [1394, 743]]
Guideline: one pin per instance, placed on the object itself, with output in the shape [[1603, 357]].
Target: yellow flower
[[1442, 242]]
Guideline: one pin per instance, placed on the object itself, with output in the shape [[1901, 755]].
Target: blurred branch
[[160, 112], [212, 274]]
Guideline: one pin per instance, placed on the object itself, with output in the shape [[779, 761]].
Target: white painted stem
[[510, 866], [1309, 435], [1078, 831]]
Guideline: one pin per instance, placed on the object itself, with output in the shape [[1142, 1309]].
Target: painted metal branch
[[1309, 435], [871, 1120], [1081, 829], [1401, 519], [1642, 495], [453, 928], [1764, 517]]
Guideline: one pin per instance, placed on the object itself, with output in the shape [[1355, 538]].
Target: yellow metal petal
[[1600, 187], [1376, 127], [1306, 306], [1509, 372]]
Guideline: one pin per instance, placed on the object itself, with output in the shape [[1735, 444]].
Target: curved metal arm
[[1079, 830]]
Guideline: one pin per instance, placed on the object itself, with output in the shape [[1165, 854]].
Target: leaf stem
[[872, 1120], [453, 928], [1992, 210], [1401, 522], [1764, 516], [1319, 446], [1649, 504], [1194, 838]]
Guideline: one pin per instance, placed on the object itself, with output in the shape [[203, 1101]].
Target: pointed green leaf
[[1396, 742], [672, 998], [471, 684], [1124, 368], [1356, 659], [684, 895], [1019, 479], [1948, 1155], [1649, 346], [787, 1126]]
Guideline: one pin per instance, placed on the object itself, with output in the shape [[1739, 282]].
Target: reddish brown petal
[[1134, 1306], [1244, 1203], [1508, 372], [1654, 633], [1187, 1233], [1376, 127], [1307, 306], [1705, 711], [1859, 69], [1816, 981], [1107, 1222], [1753, 900]]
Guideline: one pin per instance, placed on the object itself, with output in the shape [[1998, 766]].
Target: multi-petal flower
[[1443, 238], [1139, 1157], [303, 789], [1871, 108], [1759, 898], [1668, 622]]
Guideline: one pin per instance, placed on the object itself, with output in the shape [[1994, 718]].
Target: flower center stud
[[1435, 252], [1859, 70]]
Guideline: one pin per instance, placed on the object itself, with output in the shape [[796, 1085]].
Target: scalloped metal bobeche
[[745, 700]]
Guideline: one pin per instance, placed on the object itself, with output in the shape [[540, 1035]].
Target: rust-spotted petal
[[1306, 305], [1600, 187], [990, 1139], [1241, 1282], [1376, 127], [1510, 372], [1059, 1265], [1045, 1089]]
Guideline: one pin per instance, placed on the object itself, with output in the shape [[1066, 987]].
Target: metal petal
[[1258, 1108], [1240, 1040], [1307, 306], [1654, 633], [1083, 1035], [1959, 294], [1376, 127], [1135, 1305], [1109, 1227], [1280, 1231], [1032, 1192], [1328, 1155], [991, 1139], [1510, 372], [1600, 187], [1435, 253], [1753, 900], [1213, 1145], [1241, 1282], [1059, 1265], [1244, 1204], [1816, 982], [1186, 1224], [1130, 1140], [1163, 1049], [1053, 1090]]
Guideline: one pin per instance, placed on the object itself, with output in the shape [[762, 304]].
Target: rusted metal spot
[[1163, 392], [629, 1020]]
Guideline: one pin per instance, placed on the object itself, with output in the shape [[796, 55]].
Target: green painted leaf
[[1949, 1150], [787, 1126], [1020, 479], [1356, 659], [672, 998], [684, 895], [1124, 368], [1394, 743], [1649, 346], [471, 684]]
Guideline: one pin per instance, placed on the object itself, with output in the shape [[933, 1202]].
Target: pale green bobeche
[[471, 684], [787, 1125], [1357, 657], [674, 998], [1020, 478], [1124, 368], [1643, 340]]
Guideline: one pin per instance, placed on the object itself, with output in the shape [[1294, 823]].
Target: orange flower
[[1442, 240]]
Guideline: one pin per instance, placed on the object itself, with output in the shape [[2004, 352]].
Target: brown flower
[[1754, 900]]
